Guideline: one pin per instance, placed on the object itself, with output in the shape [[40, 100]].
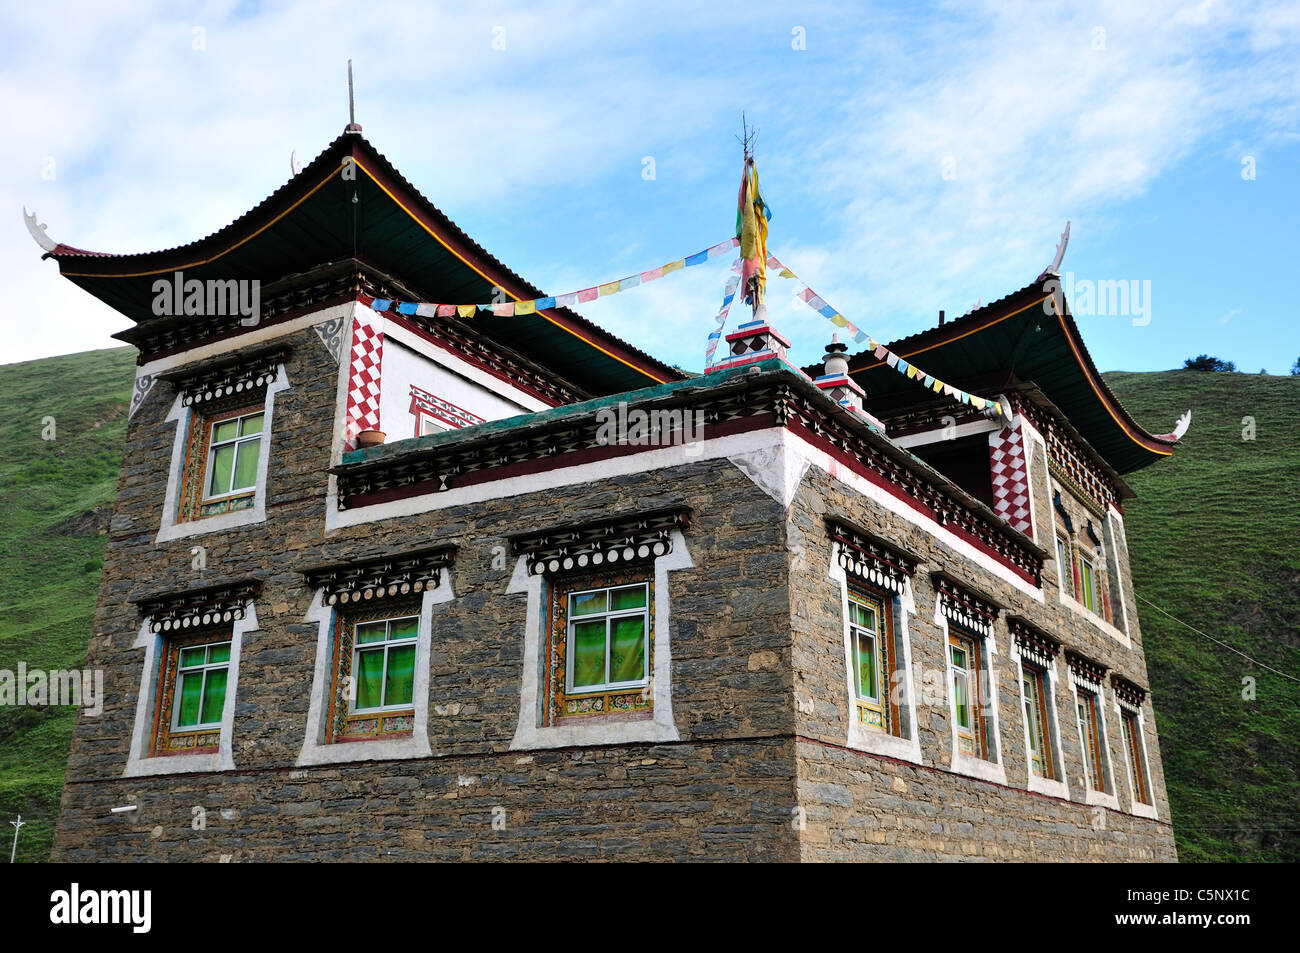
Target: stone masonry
[[761, 771]]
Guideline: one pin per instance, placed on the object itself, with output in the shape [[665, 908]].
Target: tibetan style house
[[378, 586]]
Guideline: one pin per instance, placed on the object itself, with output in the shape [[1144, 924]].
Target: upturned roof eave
[[94, 266], [1017, 302]]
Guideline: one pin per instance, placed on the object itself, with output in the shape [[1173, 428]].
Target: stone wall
[[726, 790], [861, 805], [759, 704], [864, 808]]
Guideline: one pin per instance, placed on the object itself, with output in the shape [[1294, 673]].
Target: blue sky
[[916, 158]]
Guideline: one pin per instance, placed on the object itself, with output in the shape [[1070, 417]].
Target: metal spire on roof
[[352, 108]]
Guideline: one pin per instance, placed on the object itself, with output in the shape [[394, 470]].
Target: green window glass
[[1031, 717], [608, 638], [369, 679], [866, 665], [1141, 793], [866, 630], [1089, 736], [222, 459], [627, 649], [961, 685], [1035, 726], [383, 670], [588, 653], [233, 452], [1087, 583], [201, 674]]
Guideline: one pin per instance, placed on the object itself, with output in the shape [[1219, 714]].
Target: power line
[[1213, 639]]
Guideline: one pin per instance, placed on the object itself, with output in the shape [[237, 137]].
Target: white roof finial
[[38, 231]]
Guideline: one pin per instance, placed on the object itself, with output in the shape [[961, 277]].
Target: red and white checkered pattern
[[363, 381], [1010, 478]]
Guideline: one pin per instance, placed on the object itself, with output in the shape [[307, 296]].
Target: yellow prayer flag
[[466, 310]]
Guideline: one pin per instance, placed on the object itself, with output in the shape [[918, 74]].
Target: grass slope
[[55, 500], [1212, 536], [1214, 539]]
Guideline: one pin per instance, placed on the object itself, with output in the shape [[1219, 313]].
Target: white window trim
[[315, 750], [1052, 787], [529, 735], [1115, 526], [1091, 796], [138, 762], [858, 736], [1137, 808], [962, 763], [180, 415]]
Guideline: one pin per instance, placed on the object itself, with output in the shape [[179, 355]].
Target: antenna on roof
[[352, 108], [747, 138]]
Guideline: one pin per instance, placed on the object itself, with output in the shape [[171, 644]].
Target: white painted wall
[[403, 366]]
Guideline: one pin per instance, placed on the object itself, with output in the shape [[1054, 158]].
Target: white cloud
[[536, 150]]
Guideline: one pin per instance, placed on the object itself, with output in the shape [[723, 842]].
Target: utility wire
[[1213, 639]]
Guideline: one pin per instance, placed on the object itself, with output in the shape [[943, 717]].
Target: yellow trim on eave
[[1077, 356], [438, 238], [1102, 397], [910, 354], [204, 261]]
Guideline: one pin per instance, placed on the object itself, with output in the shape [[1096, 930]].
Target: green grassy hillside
[[55, 500], [1213, 539]]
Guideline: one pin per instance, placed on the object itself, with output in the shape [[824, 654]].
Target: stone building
[[578, 603]]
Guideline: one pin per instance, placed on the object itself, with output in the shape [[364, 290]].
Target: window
[[192, 694], [428, 425], [1137, 763], [607, 644], [383, 667], [1064, 565], [374, 664], [1037, 726], [1092, 741], [222, 462], [232, 455], [967, 694], [602, 660], [1088, 585], [870, 635]]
